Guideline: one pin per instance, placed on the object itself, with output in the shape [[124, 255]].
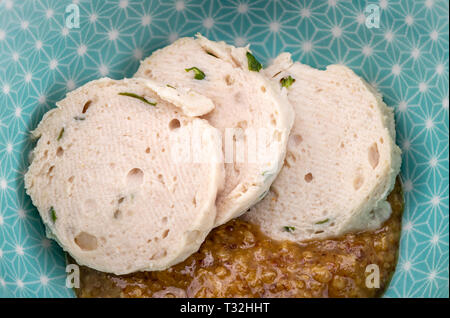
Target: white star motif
[[435, 239], [445, 103], [433, 162], [46, 243], [113, 35], [21, 213], [44, 280], [28, 77], [103, 69], [173, 37], [423, 87], [407, 265], [42, 99], [123, 4], [434, 35], [2, 34], [18, 110], [38, 45], [274, 27], [307, 46], [396, 69], [389, 36], [53, 64], [24, 25], [429, 3], [415, 53], [138, 54], [81, 50], [208, 23], [20, 283], [240, 41], [70, 84], [19, 250], [242, 8], [93, 17], [6, 89], [146, 20], [440, 69], [305, 13], [407, 186], [179, 5], [49, 13], [336, 31], [15, 56], [361, 18], [64, 31], [429, 123], [367, 50], [435, 200], [409, 20]]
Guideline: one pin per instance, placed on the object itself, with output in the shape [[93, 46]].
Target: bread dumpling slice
[[114, 182], [341, 160], [251, 112]]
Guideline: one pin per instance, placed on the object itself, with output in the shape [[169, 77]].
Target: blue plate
[[50, 47]]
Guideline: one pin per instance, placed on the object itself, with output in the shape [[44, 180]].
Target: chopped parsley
[[212, 54], [287, 81], [86, 106], [323, 221], [168, 85], [79, 118], [61, 133], [141, 98], [52, 213], [289, 229], [253, 64], [199, 75]]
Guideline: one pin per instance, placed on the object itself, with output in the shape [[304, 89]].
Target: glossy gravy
[[237, 260]]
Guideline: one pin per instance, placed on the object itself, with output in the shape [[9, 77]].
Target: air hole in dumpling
[[297, 139], [374, 155], [229, 80], [308, 177], [174, 124], [86, 241], [358, 182], [135, 177], [117, 214], [90, 204]]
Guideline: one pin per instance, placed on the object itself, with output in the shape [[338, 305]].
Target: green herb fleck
[[61, 133], [168, 85], [52, 213], [212, 54], [141, 98], [199, 75], [86, 106], [287, 81], [263, 195], [289, 229], [253, 64], [323, 221], [79, 118]]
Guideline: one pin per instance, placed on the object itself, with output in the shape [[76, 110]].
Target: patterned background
[[406, 58]]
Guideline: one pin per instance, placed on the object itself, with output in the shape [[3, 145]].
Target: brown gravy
[[237, 260]]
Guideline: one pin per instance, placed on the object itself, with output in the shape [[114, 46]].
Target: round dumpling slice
[[251, 112], [341, 160], [115, 179]]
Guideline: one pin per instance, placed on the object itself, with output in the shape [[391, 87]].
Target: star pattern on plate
[[406, 58]]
